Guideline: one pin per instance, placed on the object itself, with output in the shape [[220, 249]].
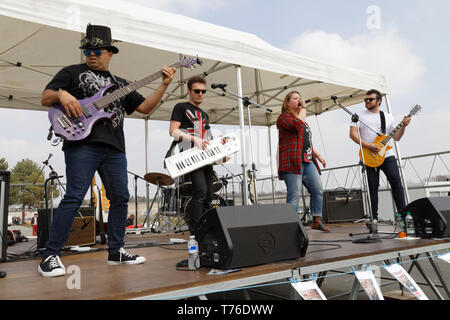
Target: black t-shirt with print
[[193, 120], [307, 144], [82, 82]]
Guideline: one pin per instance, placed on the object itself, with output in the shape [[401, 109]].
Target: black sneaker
[[51, 266], [123, 257]]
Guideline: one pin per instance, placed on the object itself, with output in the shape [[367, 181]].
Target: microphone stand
[[251, 173], [52, 177], [136, 177], [369, 217]]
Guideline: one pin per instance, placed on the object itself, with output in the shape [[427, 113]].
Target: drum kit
[[174, 197]]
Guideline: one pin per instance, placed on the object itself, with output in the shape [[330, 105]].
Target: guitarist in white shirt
[[371, 117]]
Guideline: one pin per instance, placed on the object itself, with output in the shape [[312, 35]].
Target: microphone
[[219, 85], [306, 101], [334, 98], [49, 156]]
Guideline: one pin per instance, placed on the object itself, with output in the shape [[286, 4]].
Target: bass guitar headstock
[[190, 63]]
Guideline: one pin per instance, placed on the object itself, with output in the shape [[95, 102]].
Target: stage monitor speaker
[[235, 237], [431, 216], [342, 205], [77, 235], [4, 203]]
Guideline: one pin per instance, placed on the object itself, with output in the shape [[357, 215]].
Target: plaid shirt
[[290, 144]]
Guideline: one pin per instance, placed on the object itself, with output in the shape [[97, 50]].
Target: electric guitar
[[74, 128], [374, 160]]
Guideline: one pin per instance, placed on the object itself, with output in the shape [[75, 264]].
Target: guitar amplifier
[[77, 235], [342, 205]]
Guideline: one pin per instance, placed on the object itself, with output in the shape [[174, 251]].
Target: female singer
[[297, 159]]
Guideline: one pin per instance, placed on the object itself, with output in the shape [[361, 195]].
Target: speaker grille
[[79, 236], [342, 205]]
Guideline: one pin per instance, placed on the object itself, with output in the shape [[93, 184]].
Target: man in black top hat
[[103, 150]]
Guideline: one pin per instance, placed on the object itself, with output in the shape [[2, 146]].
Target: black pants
[[202, 180], [390, 169]]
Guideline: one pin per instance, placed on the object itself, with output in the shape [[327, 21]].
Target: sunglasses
[[97, 52], [369, 99], [197, 91]]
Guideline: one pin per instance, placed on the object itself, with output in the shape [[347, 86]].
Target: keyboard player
[[189, 125]]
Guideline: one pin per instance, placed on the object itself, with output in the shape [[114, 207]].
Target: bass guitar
[[372, 159], [74, 128]]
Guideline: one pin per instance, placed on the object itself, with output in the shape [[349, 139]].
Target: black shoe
[[51, 266], [123, 257]]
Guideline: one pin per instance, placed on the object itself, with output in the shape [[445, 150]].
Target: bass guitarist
[[373, 117], [103, 150]]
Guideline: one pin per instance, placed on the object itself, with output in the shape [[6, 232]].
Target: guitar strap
[[383, 122]]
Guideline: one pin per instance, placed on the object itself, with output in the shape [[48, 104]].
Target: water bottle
[[193, 258], [400, 226], [410, 229]]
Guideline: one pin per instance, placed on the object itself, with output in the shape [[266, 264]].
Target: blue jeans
[[311, 180], [312, 183], [293, 187], [81, 163]]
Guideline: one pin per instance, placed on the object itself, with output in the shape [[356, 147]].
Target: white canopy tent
[[41, 37]]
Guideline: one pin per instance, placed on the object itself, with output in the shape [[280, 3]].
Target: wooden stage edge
[[89, 277]]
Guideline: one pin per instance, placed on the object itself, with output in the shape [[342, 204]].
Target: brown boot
[[317, 224]]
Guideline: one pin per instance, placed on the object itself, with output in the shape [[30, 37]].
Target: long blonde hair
[[287, 98]]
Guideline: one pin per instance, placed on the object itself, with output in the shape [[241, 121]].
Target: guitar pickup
[[64, 121]]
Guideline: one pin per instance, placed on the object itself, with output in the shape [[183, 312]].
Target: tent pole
[[399, 159], [243, 147], [147, 185]]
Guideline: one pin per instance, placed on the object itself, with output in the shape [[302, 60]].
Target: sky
[[406, 40]]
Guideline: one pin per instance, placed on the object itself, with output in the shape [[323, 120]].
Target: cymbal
[[158, 179]]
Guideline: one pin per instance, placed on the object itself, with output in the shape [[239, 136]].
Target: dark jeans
[[201, 195], [390, 169], [81, 163]]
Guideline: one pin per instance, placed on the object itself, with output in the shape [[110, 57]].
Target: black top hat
[[98, 37]]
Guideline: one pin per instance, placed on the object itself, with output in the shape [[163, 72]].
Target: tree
[[23, 175], [3, 164]]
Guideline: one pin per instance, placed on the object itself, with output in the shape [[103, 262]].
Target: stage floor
[[158, 277]]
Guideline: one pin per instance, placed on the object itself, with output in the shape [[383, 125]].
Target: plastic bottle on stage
[[410, 229], [193, 258], [400, 226]]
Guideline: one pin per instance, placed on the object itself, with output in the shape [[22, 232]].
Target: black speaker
[[431, 216], [341, 205], [77, 235], [235, 237], [4, 203]]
